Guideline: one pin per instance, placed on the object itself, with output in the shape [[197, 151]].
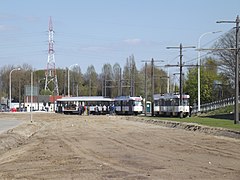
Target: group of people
[[81, 109], [96, 109]]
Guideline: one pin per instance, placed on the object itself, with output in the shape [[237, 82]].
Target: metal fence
[[214, 105]]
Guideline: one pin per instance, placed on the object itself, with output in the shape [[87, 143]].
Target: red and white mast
[[51, 82]]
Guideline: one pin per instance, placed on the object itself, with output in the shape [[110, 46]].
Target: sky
[[96, 32]]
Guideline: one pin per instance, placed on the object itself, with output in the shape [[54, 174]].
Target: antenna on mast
[[51, 82]]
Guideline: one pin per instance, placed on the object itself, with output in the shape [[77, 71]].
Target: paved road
[[8, 124]]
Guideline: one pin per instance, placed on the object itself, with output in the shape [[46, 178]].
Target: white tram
[[128, 105], [169, 105], [82, 104]]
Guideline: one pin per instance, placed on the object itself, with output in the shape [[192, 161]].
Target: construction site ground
[[57, 146]]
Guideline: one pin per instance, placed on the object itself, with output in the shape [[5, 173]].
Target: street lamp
[[10, 86], [199, 56], [69, 78]]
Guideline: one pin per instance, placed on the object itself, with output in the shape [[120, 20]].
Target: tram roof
[[169, 96], [125, 98], [85, 98]]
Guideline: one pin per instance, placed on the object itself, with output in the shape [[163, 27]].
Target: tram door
[[148, 108]]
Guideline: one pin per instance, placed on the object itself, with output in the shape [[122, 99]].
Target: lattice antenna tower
[[51, 82]]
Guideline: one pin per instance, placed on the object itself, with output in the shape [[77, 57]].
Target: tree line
[[111, 82], [217, 78]]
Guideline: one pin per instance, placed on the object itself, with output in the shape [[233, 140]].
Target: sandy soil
[[56, 146]]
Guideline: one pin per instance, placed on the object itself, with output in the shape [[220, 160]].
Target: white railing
[[214, 105]]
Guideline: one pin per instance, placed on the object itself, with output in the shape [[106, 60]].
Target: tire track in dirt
[[188, 146], [98, 158], [206, 142], [116, 137], [102, 147]]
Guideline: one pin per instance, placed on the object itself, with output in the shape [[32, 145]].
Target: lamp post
[[120, 82], [10, 86], [199, 56], [69, 78], [39, 87], [166, 77]]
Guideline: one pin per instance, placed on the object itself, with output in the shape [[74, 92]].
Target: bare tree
[[91, 81], [129, 76], [117, 78], [77, 79], [226, 56], [107, 77]]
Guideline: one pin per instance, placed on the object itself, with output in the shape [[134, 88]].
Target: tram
[[127, 105], [79, 105], [169, 105]]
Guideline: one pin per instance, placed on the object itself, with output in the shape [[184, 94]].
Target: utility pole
[[152, 86], [105, 87], [65, 80], [145, 89], [121, 86], [152, 83], [236, 117], [131, 70], [120, 82], [181, 75]]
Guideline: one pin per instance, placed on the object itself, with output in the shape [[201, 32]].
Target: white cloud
[[138, 42], [5, 28], [135, 41], [32, 18]]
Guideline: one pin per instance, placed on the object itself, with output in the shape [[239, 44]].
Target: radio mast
[[51, 82]]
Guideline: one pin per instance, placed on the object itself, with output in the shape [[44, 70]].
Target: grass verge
[[206, 121]]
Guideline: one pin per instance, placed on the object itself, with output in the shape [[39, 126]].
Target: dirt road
[[57, 146]]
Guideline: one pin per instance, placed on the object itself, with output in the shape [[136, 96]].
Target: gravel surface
[[56, 146]]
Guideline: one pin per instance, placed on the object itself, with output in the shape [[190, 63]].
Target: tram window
[[131, 103], [168, 102], [161, 102], [117, 103], [185, 102], [137, 103], [156, 102], [126, 103], [176, 102]]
